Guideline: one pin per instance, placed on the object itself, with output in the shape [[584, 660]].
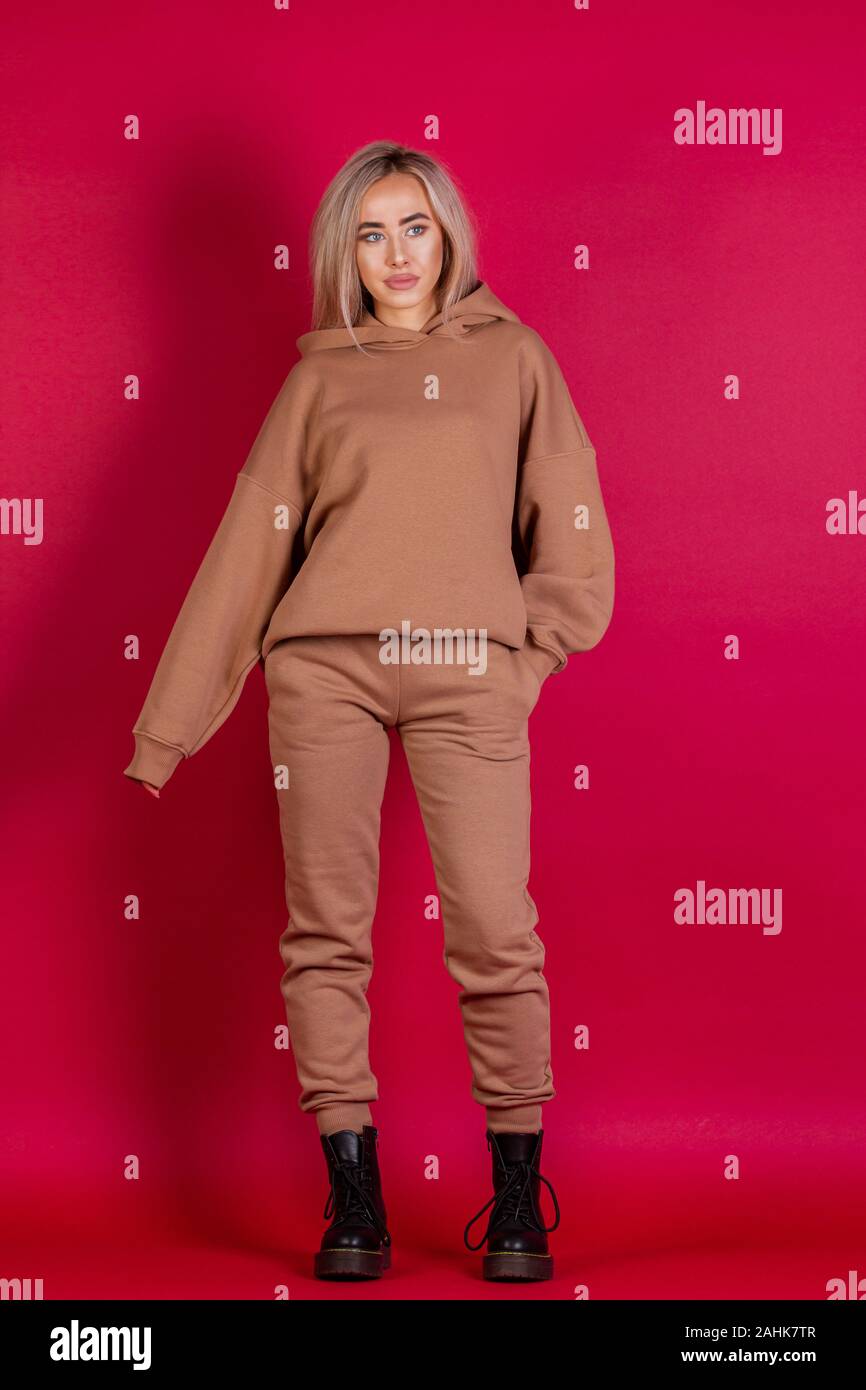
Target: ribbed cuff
[[153, 761], [519, 1119], [543, 660], [343, 1115]]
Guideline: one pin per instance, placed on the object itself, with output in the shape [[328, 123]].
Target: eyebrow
[[413, 217]]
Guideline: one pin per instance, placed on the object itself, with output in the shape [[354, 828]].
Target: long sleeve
[[564, 542], [217, 636]]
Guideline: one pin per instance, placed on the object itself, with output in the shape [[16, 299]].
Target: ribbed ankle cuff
[[346, 1115], [520, 1119]]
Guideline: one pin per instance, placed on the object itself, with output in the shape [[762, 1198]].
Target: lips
[[401, 282]]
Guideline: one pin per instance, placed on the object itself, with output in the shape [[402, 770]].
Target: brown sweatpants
[[467, 747]]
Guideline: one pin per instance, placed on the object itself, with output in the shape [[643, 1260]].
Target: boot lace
[[356, 1200], [514, 1202]]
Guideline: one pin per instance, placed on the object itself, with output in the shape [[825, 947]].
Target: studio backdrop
[[672, 195]]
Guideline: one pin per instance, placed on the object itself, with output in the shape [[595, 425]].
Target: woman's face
[[399, 244]]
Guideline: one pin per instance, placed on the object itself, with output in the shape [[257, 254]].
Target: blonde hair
[[339, 295]]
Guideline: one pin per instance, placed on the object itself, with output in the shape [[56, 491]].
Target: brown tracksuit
[[440, 482]]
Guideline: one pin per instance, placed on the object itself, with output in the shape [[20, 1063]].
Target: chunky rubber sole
[[352, 1264], [512, 1264]]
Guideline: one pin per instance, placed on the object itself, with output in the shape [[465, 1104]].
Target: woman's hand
[[154, 791]]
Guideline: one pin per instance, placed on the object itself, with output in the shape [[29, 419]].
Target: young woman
[[416, 540]]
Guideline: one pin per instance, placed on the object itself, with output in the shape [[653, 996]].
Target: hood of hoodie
[[469, 314]]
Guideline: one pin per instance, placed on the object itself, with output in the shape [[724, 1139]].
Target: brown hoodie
[[443, 477]]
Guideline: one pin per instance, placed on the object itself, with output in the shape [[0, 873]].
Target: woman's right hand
[[154, 791]]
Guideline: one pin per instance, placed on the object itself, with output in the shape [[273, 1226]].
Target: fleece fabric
[[439, 477], [331, 702]]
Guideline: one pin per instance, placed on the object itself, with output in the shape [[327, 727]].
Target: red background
[[155, 257]]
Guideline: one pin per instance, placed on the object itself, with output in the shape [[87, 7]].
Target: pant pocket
[[521, 686]]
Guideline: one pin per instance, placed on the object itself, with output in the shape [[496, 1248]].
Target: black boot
[[357, 1244], [516, 1234]]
